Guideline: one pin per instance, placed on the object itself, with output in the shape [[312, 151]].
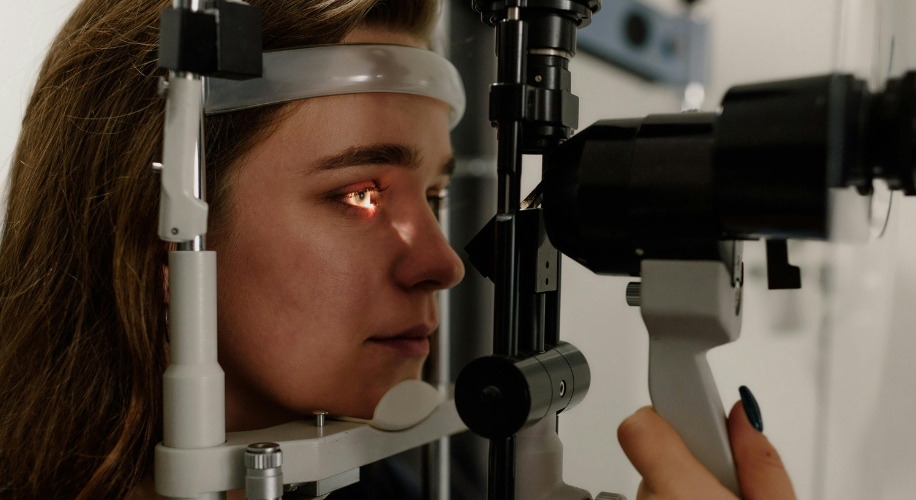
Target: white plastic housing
[[193, 385], [689, 307], [539, 463], [310, 453], [182, 215]]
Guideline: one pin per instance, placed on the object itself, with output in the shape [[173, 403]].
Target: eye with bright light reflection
[[363, 198], [360, 199]]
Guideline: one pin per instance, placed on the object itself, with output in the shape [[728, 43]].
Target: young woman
[[329, 255]]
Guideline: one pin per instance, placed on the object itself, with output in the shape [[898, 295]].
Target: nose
[[428, 261]]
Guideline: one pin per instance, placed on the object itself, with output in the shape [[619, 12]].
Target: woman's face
[[327, 278]]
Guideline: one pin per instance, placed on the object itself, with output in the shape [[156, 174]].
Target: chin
[[384, 382], [355, 388]]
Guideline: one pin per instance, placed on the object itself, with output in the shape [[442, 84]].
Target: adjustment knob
[[263, 475], [263, 456]]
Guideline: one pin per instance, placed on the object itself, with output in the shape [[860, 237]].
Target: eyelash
[[374, 190]]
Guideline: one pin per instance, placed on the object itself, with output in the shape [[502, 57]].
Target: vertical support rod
[[199, 243], [505, 313], [193, 385], [501, 484], [436, 456], [541, 324], [552, 302], [509, 165], [511, 36], [552, 312], [511, 66], [473, 190], [444, 370]]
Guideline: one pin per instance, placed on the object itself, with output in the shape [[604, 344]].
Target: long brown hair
[[83, 339]]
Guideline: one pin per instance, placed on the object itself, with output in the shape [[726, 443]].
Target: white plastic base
[[310, 453], [539, 465], [402, 407]]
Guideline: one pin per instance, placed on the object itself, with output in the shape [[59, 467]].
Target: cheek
[[297, 301], [284, 279], [293, 327]]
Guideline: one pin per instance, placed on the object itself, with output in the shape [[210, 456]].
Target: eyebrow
[[378, 154]]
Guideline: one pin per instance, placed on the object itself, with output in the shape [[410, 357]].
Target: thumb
[[660, 456], [761, 473]]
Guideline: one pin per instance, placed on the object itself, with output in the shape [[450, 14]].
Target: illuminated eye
[[363, 198]]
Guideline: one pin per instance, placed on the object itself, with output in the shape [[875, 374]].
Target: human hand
[[670, 472]]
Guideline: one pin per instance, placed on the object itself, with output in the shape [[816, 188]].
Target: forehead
[[325, 125]]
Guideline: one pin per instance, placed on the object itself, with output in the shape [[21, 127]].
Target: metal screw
[[562, 388], [174, 230], [538, 78], [491, 397], [319, 417], [634, 293]]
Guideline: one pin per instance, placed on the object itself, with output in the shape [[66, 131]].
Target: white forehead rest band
[[341, 69]]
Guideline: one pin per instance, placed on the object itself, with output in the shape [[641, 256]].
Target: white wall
[[832, 371], [26, 31]]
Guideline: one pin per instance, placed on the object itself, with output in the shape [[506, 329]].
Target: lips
[[413, 342]]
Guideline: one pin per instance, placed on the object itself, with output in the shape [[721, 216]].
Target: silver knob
[[263, 456], [264, 473], [633, 293]]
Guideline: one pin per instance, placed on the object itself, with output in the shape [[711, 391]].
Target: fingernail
[[750, 408]]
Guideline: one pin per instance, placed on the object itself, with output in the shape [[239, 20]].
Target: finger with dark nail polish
[[751, 409]]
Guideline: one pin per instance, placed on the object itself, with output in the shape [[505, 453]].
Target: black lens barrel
[[673, 186], [543, 102], [622, 190]]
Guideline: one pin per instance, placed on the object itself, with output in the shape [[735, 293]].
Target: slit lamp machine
[[666, 198]]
